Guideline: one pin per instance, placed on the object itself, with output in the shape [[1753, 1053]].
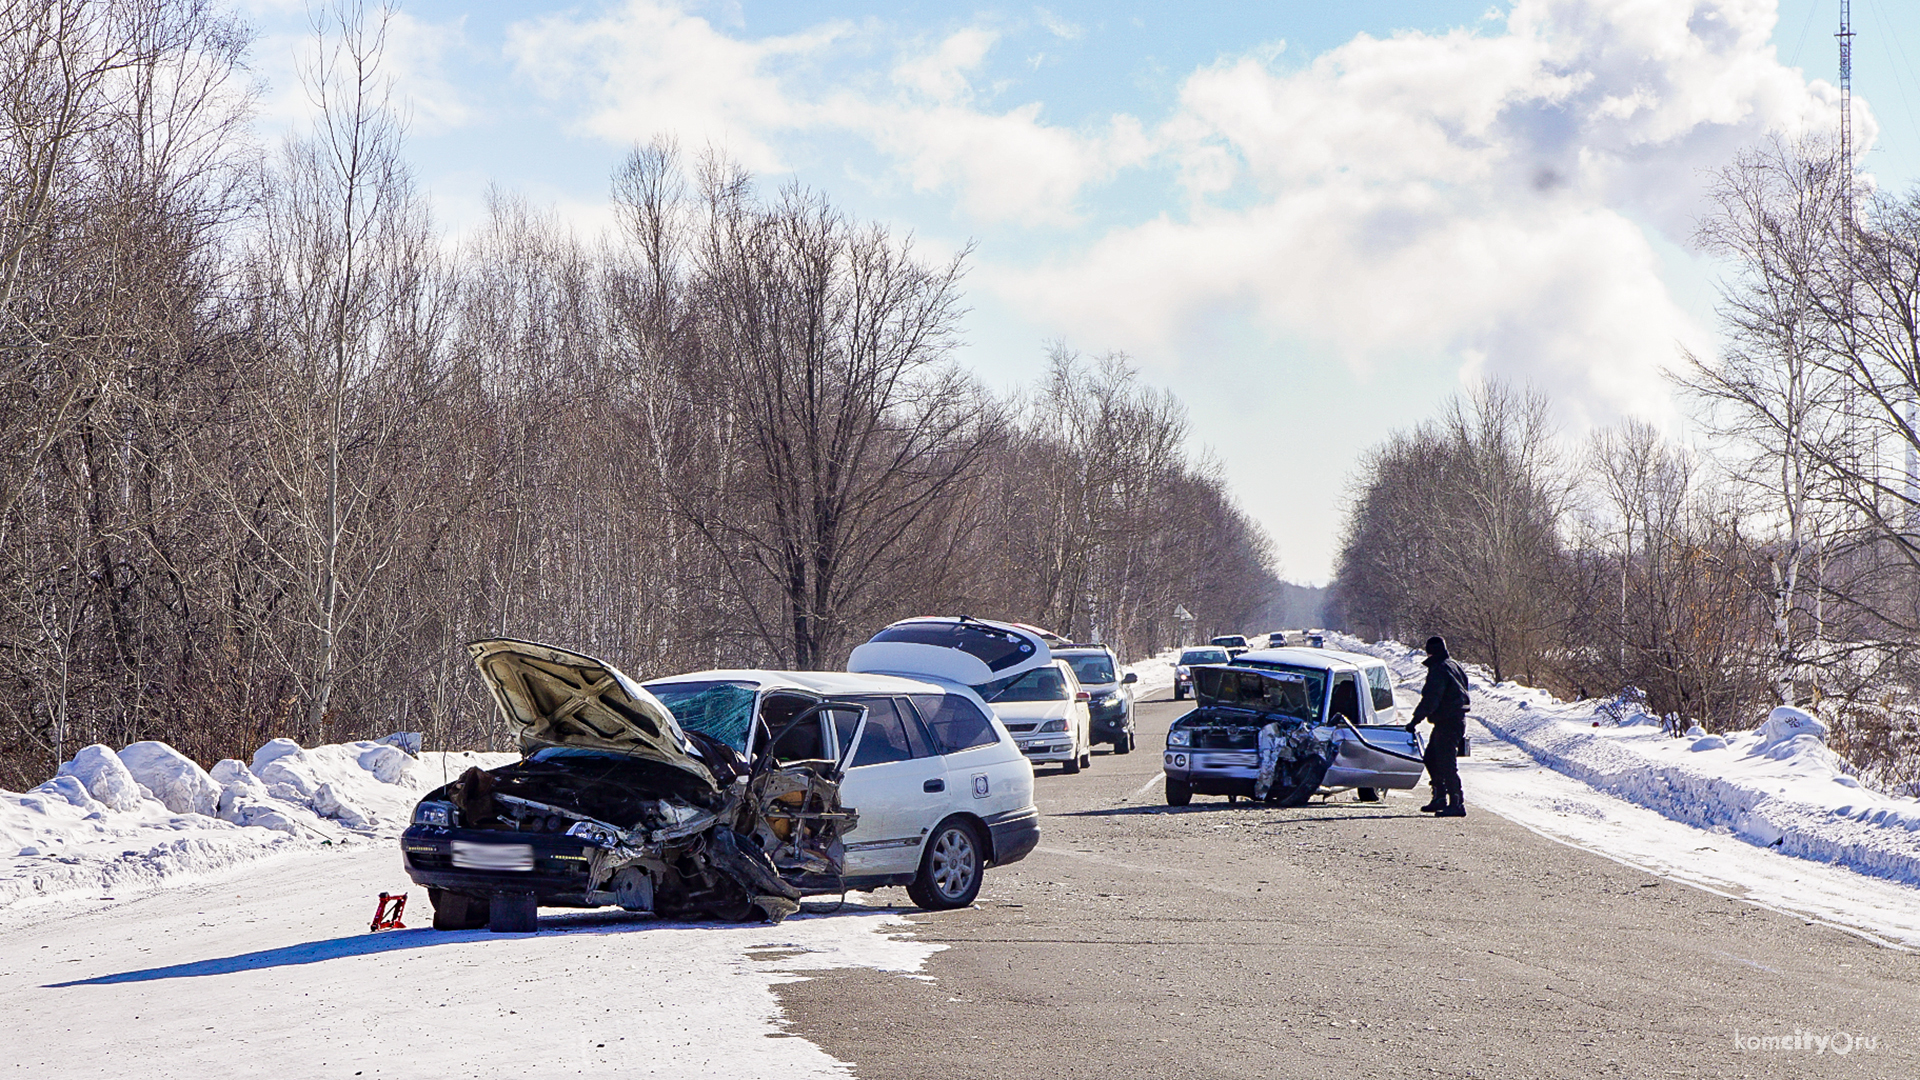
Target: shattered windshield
[[1091, 669], [722, 711], [1297, 693]]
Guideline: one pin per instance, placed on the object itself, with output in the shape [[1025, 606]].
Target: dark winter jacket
[[1444, 697]]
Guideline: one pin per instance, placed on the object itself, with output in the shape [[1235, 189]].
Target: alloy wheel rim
[[953, 862]]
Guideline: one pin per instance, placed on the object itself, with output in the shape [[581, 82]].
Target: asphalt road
[[1351, 940]]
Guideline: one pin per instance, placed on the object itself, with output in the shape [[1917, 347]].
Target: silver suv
[[1110, 706]]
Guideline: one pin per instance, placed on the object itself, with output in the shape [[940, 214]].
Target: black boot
[[1456, 803], [1437, 803]]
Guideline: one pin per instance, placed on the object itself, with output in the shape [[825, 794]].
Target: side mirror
[[1131, 678]]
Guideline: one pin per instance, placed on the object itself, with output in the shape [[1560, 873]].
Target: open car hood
[[553, 697], [1275, 693]]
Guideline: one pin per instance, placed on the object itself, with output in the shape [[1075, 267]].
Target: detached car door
[[896, 781], [1371, 754]]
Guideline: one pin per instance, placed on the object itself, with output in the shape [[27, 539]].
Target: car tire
[[1178, 693], [455, 911], [1086, 757], [1179, 792], [950, 868], [513, 913], [1293, 796], [1367, 794], [1071, 765], [1123, 744]]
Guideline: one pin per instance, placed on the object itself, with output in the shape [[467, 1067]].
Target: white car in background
[[1046, 711]]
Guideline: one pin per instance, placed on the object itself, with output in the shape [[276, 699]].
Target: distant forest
[[272, 448]]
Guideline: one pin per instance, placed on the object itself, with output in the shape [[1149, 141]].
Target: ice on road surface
[[270, 971]]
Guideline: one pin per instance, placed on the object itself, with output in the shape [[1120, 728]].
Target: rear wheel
[[950, 869], [454, 911], [1179, 793], [1367, 794]]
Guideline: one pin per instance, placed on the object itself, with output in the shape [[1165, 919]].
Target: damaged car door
[[897, 780]]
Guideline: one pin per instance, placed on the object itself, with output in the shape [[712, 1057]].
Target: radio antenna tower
[[1846, 109]]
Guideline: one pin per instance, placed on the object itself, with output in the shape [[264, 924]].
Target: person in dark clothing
[[1443, 702]]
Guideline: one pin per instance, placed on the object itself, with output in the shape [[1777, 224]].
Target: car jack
[[387, 915]]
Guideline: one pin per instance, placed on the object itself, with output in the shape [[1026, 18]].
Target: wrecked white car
[[614, 803], [1280, 725]]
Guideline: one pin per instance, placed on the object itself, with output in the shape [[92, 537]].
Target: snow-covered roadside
[[1156, 673], [1789, 794], [147, 817], [276, 974], [1503, 778]]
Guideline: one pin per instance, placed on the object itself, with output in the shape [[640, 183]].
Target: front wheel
[[1179, 792], [1123, 744], [1178, 693], [454, 911], [950, 870]]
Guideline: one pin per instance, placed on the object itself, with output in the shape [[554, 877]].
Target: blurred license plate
[[473, 856]]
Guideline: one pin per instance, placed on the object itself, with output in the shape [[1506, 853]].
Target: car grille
[[1020, 727], [1224, 738]]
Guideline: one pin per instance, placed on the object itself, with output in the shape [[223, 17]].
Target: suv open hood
[[553, 697], [1277, 693]]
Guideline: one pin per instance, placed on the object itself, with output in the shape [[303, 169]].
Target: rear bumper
[[1015, 834]]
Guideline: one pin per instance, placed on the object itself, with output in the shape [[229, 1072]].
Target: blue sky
[[1311, 221]]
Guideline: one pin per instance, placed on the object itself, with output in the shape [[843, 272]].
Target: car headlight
[[1108, 697], [1054, 725], [433, 813], [594, 833], [1179, 737]]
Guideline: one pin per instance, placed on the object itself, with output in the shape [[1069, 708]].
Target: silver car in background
[[1337, 707]]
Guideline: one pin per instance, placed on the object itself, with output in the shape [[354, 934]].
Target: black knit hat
[[1436, 646]]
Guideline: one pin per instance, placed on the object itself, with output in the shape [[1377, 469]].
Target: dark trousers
[[1443, 757]]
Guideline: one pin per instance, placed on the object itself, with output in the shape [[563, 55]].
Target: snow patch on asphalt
[[185, 982]]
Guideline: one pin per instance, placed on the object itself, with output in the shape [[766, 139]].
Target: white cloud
[[651, 68], [1494, 197], [944, 73], [414, 64]]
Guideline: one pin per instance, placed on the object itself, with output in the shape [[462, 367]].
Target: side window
[[1346, 697], [889, 737], [956, 723], [801, 743], [1381, 684]]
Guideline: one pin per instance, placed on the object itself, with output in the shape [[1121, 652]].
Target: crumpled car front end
[[613, 804]]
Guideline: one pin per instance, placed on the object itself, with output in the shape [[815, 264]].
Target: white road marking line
[[1148, 786]]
